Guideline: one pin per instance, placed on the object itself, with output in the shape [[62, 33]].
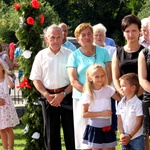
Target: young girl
[[96, 101], [8, 115]]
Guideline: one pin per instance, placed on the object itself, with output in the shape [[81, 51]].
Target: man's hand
[[124, 139], [57, 99], [49, 97]]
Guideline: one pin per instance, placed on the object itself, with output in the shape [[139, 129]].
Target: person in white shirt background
[[144, 38], [99, 36]]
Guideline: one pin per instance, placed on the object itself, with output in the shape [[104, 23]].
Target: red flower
[[35, 4], [24, 83], [42, 19], [16, 6], [30, 20], [107, 128]]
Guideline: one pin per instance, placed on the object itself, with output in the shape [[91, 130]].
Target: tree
[[9, 22], [33, 16], [8, 1], [109, 13], [144, 11]]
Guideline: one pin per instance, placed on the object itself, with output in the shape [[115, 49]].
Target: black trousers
[[54, 117], [146, 120], [114, 116]]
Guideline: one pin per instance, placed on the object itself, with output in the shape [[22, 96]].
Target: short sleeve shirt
[[111, 50], [143, 42], [102, 99], [128, 112], [50, 68], [69, 45]]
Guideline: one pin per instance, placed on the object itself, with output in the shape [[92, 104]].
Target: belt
[[59, 90]]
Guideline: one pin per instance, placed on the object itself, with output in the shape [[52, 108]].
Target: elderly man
[[50, 78], [144, 38], [66, 43]]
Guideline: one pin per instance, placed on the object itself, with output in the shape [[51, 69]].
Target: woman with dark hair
[[125, 59]]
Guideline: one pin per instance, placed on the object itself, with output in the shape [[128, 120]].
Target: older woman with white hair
[[99, 36]]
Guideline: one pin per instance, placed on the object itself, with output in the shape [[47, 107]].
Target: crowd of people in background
[[92, 91]]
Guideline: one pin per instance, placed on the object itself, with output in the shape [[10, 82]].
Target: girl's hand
[[3, 52], [106, 113], [2, 102], [122, 139]]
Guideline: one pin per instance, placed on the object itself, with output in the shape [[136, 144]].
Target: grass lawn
[[20, 140]]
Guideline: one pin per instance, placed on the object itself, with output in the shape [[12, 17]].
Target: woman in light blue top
[[78, 62]]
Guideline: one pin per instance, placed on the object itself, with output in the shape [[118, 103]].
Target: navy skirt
[[99, 137]]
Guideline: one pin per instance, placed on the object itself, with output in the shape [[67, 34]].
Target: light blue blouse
[[81, 62]]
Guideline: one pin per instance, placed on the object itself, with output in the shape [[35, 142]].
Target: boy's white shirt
[[129, 111]]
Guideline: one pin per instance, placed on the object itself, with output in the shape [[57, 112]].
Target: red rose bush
[[31, 5]]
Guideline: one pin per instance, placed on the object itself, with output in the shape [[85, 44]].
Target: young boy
[[130, 114]]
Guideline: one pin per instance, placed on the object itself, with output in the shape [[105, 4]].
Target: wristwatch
[[65, 93]]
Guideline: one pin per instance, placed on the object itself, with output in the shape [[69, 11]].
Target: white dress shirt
[[50, 68]]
